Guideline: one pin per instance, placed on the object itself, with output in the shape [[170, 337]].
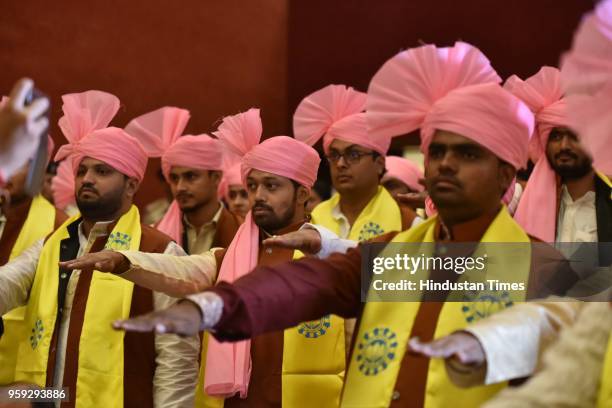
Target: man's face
[[463, 177], [238, 200], [101, 191], [354, 168], [16, 185], [193, 188], [274, 200], [566, 156]]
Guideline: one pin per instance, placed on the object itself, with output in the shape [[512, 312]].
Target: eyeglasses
[[349, 156]]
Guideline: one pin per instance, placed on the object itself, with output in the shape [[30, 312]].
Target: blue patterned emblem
[[369, 231], [315, 328], [481, 305], [37, 332], [118, 241], [376, 350]]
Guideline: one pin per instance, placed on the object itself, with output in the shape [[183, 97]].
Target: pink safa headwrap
[[335, 112], [86, 116], [160, 133], [586, 73], [62, 186], [543, 95], [403, 170], [228, 365], [453, 89]]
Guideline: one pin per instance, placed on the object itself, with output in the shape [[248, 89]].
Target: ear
[[302, 195], [506, 174], [381, 165], [131, 186]]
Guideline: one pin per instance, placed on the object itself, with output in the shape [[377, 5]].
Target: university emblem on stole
[[477, 306], [315, 328], [118, 241], [370, 230], [36, 335], [376, 350]]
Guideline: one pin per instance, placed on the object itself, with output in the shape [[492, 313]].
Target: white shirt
[[577, 221], [177, 358]]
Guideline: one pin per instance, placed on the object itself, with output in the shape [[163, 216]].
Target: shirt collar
[[567, 199], [213, 222]]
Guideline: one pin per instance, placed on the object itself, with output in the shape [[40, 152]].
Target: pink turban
[[86, 116], [231, 177], [586, 72], [62, 186], [160, 134], [453, 89], [228, 365], [403, 170], [335, 112], [543, 95]]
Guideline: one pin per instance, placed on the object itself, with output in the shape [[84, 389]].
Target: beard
[[101, 208], [581, 167], [272, 222]]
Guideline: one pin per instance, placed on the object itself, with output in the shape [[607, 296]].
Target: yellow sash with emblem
[[386, 326], [101, 353], [605, 387], [38, 224], [381, 215]]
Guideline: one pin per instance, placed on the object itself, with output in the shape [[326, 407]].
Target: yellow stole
[[38, 224], [386, 326], [605, 387], [381, 215], [101, 353]]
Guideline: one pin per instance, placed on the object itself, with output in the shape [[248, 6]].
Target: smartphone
[[38, 165]]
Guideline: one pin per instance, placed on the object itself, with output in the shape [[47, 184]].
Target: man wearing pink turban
[[362, 208], [474, 136], [310, 356], [402, 176], [565, 200], [196, 219], [69, 341]]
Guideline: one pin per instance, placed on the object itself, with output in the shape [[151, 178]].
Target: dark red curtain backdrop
[[221, 57]]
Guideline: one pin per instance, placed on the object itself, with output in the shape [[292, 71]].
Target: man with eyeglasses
[[362, 209]]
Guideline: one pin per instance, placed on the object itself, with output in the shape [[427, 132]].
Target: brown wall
[[220, 57], [211, 57], [346, 41]]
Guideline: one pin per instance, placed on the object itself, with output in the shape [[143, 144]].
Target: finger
[[37, 127], [38, 107], [279, 242], [19, 93], [137, 324]]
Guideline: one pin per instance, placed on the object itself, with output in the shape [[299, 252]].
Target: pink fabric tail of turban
[[228, 366], [586, 72], [335, 112], [62, 186], [543, 95], [405, 171]]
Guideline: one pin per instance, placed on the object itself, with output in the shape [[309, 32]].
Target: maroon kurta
[[275, 298]]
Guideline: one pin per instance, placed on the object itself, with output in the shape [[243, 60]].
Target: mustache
[[566, 153], [259, 206], [88, 188], [184, 195]]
